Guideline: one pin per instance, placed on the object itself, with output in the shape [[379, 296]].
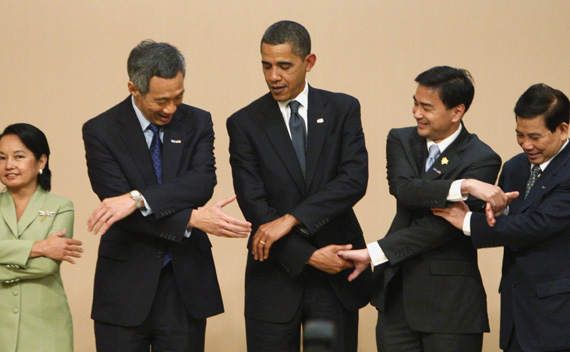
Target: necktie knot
[[154, 128], [294, 106], [433, 154]]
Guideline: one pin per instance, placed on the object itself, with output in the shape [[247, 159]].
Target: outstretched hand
[[213, 220], [360, 258]]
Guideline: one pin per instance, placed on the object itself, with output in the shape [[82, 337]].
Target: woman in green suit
[[35, 236]]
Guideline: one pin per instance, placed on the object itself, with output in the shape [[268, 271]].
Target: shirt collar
[[446, 142], [544, 165], [302, 98], [142, 120]]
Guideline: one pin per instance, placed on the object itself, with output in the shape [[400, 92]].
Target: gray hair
[[150, 59], [289, 32]]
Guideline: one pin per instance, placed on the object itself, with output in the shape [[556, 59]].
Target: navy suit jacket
[[442, 287], [535, 287], [269, 183], [131, 252]]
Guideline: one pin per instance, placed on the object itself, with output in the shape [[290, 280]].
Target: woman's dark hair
[[36, 141]]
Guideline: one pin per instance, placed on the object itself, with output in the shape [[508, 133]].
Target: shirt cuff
[[377, 255], [467, 224], [454, 194]]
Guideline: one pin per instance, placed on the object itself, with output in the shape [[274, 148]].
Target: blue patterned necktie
[[433, 154], [156, 151], [156, 155], [534, 175], [297, 127]]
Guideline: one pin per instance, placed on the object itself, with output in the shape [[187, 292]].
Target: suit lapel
[[272, 122], [33, 210], [449, 158], [318, 117], [134, 141], [8, 212], [172, 147]]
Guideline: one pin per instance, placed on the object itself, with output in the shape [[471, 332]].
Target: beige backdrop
[[63, 62]]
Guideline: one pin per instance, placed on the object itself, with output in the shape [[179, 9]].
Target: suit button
[[15, 292], [514, 284], [15, 310]]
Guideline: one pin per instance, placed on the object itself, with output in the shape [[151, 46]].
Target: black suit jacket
[[535, 287], [132, 250], [269, 183], [442, 287]]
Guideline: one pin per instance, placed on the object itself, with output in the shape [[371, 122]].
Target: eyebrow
[[421, 103]]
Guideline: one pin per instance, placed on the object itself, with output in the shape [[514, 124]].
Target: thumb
[[343, 247], [225, 201]]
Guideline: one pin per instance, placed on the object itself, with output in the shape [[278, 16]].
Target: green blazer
[[34, 314]]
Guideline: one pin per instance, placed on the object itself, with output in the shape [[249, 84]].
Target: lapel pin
[[444, 161], [175, 141], [321, 120], [44, 213]]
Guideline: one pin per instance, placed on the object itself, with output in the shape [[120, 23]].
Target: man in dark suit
[[150, 160], [428, 289], [299, 165], [535, 231]]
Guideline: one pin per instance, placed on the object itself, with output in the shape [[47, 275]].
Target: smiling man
[[299, 165], [428, 289], [535, 287], [151, 162]]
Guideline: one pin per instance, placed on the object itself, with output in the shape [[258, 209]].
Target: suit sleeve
[[348, 186], [172, 201], [542, 221], [292, 251], [16, 253], [417, 195]]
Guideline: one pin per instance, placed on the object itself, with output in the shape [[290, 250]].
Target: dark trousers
[[168, 327], [318, 302], [394, 335]]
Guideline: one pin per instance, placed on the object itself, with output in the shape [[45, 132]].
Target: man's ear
[[458, 112]]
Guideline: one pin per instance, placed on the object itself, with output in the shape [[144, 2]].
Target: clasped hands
[[496, 203], [326, 259], [211, 219]]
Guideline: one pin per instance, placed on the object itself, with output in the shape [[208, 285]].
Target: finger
[[74, 242], [512, 195], [225, 201], [266, 249], [237, 228], [94, 218], [341, 247], [355, 273], [69, 259]]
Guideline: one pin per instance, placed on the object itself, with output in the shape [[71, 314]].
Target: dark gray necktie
[[297, 127]]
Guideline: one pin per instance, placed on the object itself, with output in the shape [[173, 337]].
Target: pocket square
[[321, 120], [175, 141]]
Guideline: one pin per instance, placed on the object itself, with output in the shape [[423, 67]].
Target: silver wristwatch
[[137, 197]]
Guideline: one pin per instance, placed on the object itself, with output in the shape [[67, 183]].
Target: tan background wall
[[63, 62]]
